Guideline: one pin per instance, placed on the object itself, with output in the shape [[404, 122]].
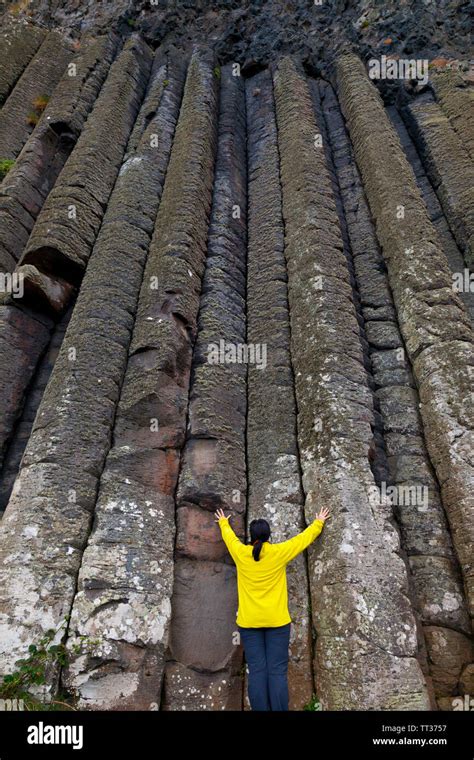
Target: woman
[[263, 618]]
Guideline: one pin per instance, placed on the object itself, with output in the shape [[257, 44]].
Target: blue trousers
[[266, 653]]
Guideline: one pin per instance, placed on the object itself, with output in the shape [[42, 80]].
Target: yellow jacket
[[261, 586]]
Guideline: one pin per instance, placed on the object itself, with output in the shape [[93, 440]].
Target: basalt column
[[37, 81], [204, 657], [67, 226], [450, 248], [27, 184], [48, 517], [436, 583], [18, 44], [22, 431], [456, 98], [59, 247], [366, 635], [448, 165], [125, 584], [435, 327], [272, 451], [24, 336]]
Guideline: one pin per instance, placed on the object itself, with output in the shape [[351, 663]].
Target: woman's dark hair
[[259, 533]]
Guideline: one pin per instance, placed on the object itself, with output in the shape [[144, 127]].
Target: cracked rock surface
[[245, 288]]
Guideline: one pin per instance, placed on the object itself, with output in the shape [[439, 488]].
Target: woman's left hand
[[220, 513]]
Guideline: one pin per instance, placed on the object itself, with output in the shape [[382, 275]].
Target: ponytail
[[259, 533], [257, 548]]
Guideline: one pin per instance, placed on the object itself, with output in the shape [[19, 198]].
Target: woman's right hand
[[323, 515], [220, 513]]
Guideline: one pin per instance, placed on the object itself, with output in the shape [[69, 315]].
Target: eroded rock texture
[[38, 81], [126, 578], [365, 654], [204, 657], [272, 449], [239, 294], [435, 326], [19, 42], [36, 169]]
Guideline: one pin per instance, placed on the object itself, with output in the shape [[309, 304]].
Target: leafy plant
[[5, 166], [31, 671], [314, 704], [217, 72]]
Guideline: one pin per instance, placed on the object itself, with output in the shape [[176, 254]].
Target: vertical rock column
[[449, 167], [204, 656], [434, 324], [39, 79], [456, 98], [18, 44], [272, 451], [448, 243], [125, 584], [437, 589], [34, 394], [59, 247], [27, 184], [68, 225], [48, 518], [24, 336], [366, 635]]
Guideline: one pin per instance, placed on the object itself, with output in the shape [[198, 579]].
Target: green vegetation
[[32, 119], [31, 671], [5, 166], [314, 704], [40, 103], [217, 72]]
